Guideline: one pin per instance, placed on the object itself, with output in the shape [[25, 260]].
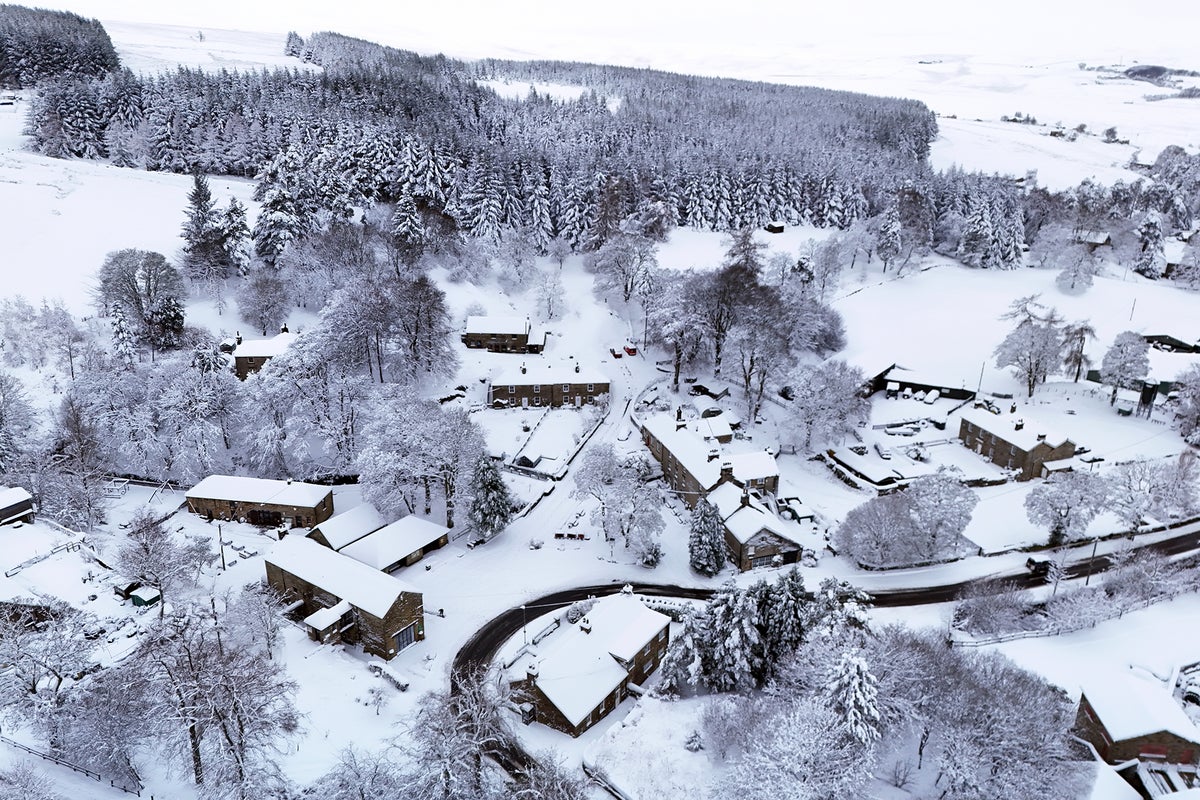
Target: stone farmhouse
[[755, 537], [554, 385], [1017, 443], [259, 501], [343, 600], [503, 335], [249, 356], [583, 671], [1125, 716], [694, 464]]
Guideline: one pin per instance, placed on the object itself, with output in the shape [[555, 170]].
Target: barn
[[259, 501]]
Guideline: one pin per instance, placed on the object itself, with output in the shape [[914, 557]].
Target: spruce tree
[[234, 236], [706, 545], [976, 245], [785, 615], [688, 658], [122, 347], [852, 693], [203, 257], [491, 506], [737, 656], [889, 244], [1150, 259]]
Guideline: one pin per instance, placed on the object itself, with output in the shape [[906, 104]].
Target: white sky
[[750, 38]]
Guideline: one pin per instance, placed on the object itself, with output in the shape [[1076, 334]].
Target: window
[[406, 637], [566, 388], [537, 401], [537, 388], [512, 390], [591, 387]]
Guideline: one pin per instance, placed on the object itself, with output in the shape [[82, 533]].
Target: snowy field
[[62, 217]]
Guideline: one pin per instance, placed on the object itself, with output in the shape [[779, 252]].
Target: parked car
[[630, 350], [615, 352]]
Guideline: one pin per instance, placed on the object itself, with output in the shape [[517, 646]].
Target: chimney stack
[[531, 672], [238, 340], [522, 367], [585, 625], [745, 496]]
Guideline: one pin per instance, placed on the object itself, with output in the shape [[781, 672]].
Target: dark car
[[1038, 567]]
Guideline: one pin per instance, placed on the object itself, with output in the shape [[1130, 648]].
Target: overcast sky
[[672, 34]]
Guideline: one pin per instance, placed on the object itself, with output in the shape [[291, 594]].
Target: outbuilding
[[16, 505], [260, 501]]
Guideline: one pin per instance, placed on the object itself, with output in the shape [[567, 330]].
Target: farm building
[[250, 356], [1017, 443], [585, 670], [1125, 717], [343, 600], [896, 380], [694, 465], [547, 385], [348, 526], [16, 505], [401, 544], [755, 537], [503, 335], [260, 501]]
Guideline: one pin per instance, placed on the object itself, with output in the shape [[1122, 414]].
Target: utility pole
[[221, 546], [523, 634], [1095, 544]]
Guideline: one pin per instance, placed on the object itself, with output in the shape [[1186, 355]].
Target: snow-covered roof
[[11, 496], [1004, 426], [541, 373], [350, 526], [147, 594], [363, 587], [744, 520], [578, 670], [322, 618], [264, 348], [259, 490], [393, 542], [753, 465], [1108, 785], [688, 448], [498, 325], [1129, 706], [907, 377], [703, 457], [1093, 237]]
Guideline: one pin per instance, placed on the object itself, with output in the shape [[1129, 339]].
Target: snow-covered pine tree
[[738, 655], [1150, 261], [203, 255], [978, 234], [491, 505], [234, 235], [784, 616], [888, 243], [706, 544], [852, 693], [294, 45], [689, 653], [122, 348]]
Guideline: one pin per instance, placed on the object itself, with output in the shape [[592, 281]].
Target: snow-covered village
[[504, 401]]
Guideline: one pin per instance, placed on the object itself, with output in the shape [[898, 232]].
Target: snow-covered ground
[[62, 217]]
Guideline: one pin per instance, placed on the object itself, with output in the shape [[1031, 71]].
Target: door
[[524, 402], [406, 637]]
